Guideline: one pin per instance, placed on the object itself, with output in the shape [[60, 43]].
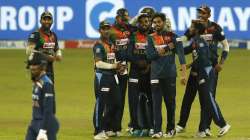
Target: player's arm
[[221, 37], [182, 60], [104, 65], [130, 56], [57, 56], [134, 20], [58, 51], [98, 55], [188, 49], [225, 51], [31, 44], [151, 52], [225, 46], [189, 33]]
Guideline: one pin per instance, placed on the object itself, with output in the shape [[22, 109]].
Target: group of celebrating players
[[148, 44]]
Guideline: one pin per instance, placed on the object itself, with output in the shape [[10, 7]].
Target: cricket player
[[106, 85], [161, 50], [149, 11], [120, 33], [204, 74], [139, 92], [45, 42], [44, 125], [213, 35]]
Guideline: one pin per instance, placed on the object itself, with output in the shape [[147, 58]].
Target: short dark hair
[[122, 12], [104, 24], [148, 10], [46, 14], [204, 8], [142, 16], [160, 15]]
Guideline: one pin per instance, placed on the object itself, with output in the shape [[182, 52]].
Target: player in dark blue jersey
[[139, 92], [204, 74], [44, 125], [106, 86], [213, 35], [161, 50], [120, 33]]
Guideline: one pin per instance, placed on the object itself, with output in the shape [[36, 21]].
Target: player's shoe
[[151, 132], [200, 134], [118, 133], [144, 133], [208, 132], [136, 133], [129, 129], [170, 134], [111, 133], [101, 136], [157, 135], [224, 130], [179, 129]]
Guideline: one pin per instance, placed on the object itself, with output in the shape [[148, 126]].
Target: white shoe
[[111, 133], [129, 129], [118, 133], [224, 130], [179, 129], [157, 135], [101, 136], [208, 132], [170, 134], [200, 134]]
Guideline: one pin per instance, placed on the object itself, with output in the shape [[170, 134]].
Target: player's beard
[[143, 29], [46, 28], [35, 77]]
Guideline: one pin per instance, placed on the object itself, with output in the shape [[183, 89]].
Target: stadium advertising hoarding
[[77, 20], [19, 18]]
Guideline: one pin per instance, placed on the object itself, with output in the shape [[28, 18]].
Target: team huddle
[[149, 45]]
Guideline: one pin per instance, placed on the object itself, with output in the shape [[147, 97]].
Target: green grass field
[[75, 97]]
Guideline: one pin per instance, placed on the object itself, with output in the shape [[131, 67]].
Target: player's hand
[[146, 70], [118, 65], [121, 68], [183, 81], [161, 51], [51, 58], [42, 135], [183, 74], [171, 46], [142, 64], [218, 67]]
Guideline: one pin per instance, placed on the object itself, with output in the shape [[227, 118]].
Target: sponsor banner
[[80, 43], [12, 44], [90, 43], [19, 19], [21, 44], [79, 19], [232, 15]]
